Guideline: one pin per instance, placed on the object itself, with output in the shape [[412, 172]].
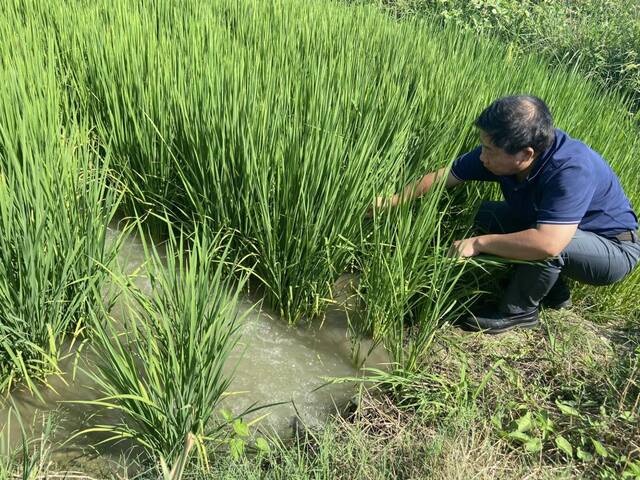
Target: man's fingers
[[378, 204], [369, 212]]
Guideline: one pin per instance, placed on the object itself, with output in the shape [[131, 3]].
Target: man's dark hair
[[518, 122]]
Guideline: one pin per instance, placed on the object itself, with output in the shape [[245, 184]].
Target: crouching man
[[563, 207]]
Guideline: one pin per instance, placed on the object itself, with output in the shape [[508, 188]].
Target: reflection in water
[[272, 363]]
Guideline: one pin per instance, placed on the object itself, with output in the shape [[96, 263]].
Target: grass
[[483, 407], [31, 459], [465, 413], [292, 163], [408, 284], [600, 38]]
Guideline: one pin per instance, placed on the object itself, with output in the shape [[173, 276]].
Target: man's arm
[[544, 241], [419, 188]]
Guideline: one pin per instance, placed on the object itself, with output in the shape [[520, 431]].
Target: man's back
[[569, 183]]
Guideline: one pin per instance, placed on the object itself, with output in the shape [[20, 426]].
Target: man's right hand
[[416, 190], [381, 202]]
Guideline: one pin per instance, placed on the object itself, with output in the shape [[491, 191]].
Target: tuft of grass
[[408, 284], [32, 458]]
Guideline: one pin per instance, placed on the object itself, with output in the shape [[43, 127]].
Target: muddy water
[[273, 363]]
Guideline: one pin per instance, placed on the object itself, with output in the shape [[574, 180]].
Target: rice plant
[[162, 363], [282, 120], [31, 458], [54, 209], [408, 285]]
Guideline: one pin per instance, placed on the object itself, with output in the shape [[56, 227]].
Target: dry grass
[[403, 444]]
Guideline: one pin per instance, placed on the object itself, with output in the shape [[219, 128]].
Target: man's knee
[[592, 259]]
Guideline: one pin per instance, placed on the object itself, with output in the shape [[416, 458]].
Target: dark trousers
[[589, 258]]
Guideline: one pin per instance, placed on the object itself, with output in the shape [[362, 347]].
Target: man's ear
[[531, 152], [527, 154]]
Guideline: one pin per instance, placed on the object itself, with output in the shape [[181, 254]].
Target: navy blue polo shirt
[[569, 184]]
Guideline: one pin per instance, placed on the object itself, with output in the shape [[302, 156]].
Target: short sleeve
[[566, 195], [469, 167]]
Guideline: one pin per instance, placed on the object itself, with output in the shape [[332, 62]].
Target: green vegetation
[[402, 287], [162, 366], [558, 402], [300, 131], [30, 460], [276, 124], [601, 38], [54, 211]]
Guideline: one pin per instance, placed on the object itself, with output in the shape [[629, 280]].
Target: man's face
[[499, 162]]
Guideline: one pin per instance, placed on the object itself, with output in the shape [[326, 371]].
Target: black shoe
[[497, 322], [558, 297]]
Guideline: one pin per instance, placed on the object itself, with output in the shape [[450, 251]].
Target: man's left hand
[[468, 247]]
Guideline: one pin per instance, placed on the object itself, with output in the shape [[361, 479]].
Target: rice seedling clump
[[162, 363]]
